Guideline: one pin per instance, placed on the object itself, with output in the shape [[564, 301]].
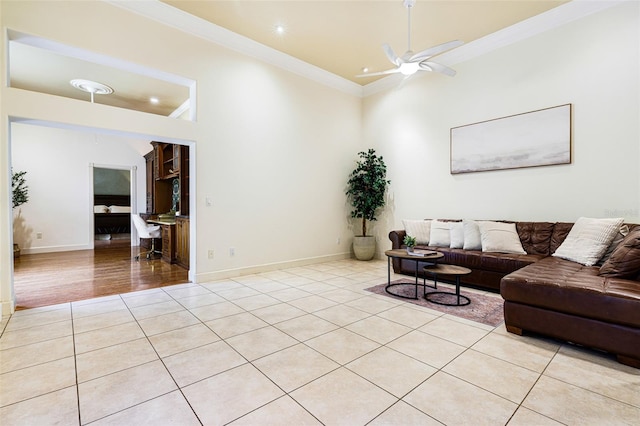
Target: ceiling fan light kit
[[410, 63]]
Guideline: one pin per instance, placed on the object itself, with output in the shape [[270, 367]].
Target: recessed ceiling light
[[280, 29], [154, 100], [365, 69]]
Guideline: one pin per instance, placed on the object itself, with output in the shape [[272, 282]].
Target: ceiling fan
[[410, 63]]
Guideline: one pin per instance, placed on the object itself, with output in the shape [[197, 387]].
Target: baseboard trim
[[7, 307], [52, 249], [249, 270]]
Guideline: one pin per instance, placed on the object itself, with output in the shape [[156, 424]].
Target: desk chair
[[149, 232]]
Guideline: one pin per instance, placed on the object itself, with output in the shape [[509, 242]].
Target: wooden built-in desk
[[168, 238]]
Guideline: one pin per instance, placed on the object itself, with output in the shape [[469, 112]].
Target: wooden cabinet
[[151, 180], [167, 191], [182, 241], [169, 243], [168, 176]]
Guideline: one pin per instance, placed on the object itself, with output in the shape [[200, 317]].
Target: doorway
[[62, 200], [113, 191]]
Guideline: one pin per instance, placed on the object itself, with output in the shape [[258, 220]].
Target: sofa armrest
[[397, 238]]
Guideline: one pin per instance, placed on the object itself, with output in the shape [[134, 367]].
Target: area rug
[[485, 309]]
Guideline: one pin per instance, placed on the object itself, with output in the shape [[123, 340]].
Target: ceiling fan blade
[[373, 74], [435, 67], [391, 55], [435, 50]]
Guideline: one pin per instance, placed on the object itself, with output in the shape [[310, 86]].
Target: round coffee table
[[451, 270], [428, 256]]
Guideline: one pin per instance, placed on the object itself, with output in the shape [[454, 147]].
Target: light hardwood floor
[[53, 278]]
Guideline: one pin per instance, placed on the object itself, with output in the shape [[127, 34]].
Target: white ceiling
[[338, 36]]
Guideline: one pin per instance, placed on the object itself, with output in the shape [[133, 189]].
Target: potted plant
[[410, 242], [20, 192], [366, 189]]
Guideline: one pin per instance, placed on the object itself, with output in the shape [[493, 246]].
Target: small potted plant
[[410, 242]]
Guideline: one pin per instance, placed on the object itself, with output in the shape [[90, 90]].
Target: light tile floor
[[294, 347]]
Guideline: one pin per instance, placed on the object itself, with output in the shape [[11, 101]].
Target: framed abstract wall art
[[531, 139]]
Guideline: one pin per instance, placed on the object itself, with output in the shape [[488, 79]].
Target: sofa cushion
[[560, 232], [440, 234], [624, 262], [569, 287], [622, 232], [588, 240], [535, 236], [420, 229], [504, 263], [500, 237]]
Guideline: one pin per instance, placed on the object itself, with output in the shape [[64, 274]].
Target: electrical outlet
[[210, 254], [232, 251], [38, 235], [338, 241]]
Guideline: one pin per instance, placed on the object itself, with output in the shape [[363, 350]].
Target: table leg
[[389, 285]]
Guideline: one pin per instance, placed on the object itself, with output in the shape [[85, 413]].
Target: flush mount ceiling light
[[410, 63], [92, 87]]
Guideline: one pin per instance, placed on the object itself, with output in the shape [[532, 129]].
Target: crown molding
[[172, 17]]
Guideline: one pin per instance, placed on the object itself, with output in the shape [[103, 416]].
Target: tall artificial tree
[[366, 187]]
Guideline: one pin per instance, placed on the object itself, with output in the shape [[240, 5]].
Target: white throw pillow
[[500, 237], [472, 240], [440, 234], [100, 209], [456, 233], [421, 229], [588, 240]]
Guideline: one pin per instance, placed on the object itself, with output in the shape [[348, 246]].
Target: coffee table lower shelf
[[450, 270]]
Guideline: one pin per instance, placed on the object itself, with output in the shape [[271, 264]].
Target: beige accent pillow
[[500, 237], [472, 239], [440, 234], [456, 234], [421, 229], [588, 240]]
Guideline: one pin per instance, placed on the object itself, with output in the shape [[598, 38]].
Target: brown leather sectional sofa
[[549, 295]]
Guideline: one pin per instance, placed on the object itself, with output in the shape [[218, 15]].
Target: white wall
[[273, 149], [592, 63], [59, 177]]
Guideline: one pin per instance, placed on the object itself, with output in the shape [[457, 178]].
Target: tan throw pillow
[[588, 240], [440, 234], [421, 229], [500, 237], [624, 262]]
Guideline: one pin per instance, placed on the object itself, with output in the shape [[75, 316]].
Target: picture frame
[[531, 139]]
